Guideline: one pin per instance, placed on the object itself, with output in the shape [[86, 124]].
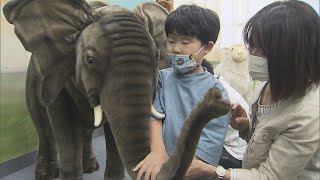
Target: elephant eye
[[90, 60]]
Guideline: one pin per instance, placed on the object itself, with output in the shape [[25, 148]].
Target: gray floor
[[99, 149]]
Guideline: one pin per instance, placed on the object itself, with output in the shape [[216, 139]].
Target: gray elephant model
[[98, 66]]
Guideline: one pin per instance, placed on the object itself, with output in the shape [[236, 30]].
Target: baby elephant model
[[98, 66]]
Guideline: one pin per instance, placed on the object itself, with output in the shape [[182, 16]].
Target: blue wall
[[130, 4]]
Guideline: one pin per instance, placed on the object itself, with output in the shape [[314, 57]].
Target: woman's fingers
[[243, 123], [238, 111], [239, 123], [235, 106]]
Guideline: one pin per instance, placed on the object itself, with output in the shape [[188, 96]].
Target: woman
[[283, 135]]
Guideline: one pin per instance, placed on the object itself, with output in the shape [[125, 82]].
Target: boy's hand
[[151, 165], [239, 118]]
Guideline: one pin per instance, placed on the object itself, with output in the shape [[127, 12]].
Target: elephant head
[[112, 55], [49, 30]]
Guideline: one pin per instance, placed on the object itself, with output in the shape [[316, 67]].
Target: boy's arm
[[157, 144]]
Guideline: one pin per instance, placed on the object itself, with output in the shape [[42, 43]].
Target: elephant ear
[[154, 17], [49, 30]]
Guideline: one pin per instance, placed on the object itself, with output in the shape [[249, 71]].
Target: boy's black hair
[[194, 21], [288, 34]]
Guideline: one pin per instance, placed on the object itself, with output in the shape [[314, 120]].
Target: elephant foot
[[90, 165], [46, 170], [114, 177], [114, 173]]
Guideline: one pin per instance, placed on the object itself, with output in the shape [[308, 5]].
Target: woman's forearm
[[228, 175], [210, 171]]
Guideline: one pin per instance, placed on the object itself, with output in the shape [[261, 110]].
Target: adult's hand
[[151, 165], [239, 118], [198, 168]]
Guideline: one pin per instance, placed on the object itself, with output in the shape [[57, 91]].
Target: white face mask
[[258, 68]]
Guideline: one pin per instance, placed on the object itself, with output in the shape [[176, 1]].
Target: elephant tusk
[[156, 114], [97, 115]]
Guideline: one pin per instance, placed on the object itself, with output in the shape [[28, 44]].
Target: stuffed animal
[[167, 4], [234, 69]]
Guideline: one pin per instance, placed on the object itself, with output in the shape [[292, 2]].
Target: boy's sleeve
[[158, 99], [212, 137]]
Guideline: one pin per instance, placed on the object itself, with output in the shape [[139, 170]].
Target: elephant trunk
[[126, 99], [177, 165]]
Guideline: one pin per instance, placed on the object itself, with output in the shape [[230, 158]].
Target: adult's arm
[[291, 151]]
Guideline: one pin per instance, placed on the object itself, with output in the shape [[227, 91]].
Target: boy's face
[[185, 45]]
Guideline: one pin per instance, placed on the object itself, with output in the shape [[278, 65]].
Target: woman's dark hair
[[205, 63], [194, 21], [288, 34]]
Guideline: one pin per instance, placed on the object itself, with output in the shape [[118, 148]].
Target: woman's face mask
[[258, 68], [184, 63]]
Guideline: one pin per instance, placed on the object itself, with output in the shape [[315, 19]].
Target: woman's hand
[[151, 165], [239, 118], [198, 168]]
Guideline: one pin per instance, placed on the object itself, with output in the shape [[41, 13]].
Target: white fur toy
[[234, 69]]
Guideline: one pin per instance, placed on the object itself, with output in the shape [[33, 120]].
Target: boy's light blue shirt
[[176, 95]]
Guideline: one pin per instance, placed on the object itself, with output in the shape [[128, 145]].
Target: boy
[[192, 32]]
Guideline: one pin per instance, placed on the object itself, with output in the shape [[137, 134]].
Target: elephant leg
[[67, 129], [89, 161], [47, 161], [90, 164], [114, 167]]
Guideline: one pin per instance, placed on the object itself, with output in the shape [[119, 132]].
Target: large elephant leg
[[47, 161], [67, 130], [90, 164], [114, 167]]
